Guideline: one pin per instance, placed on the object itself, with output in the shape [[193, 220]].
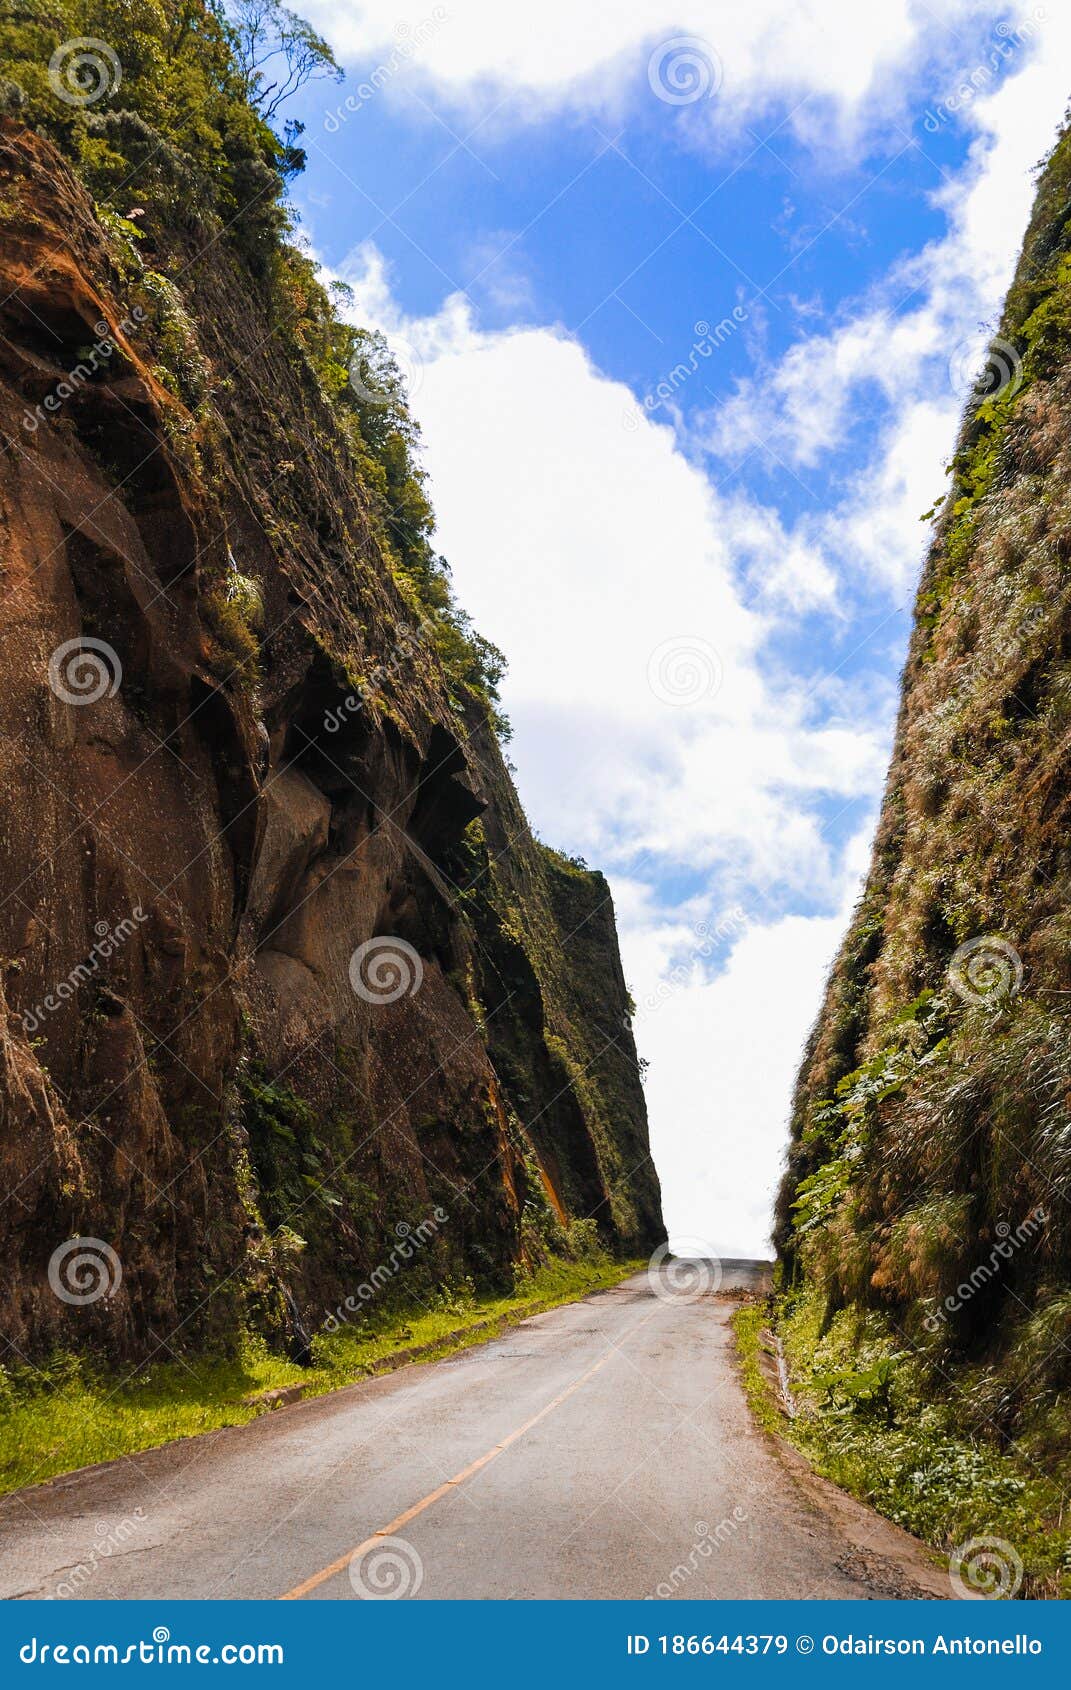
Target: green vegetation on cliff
[[924, 1219], [178, 122]]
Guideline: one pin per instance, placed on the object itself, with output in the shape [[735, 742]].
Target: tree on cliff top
[[265, 35]]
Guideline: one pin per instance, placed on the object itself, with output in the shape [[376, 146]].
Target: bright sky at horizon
[[690, 298]]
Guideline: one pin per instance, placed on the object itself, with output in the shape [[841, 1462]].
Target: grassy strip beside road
[[862, 1423], [66, 1415]]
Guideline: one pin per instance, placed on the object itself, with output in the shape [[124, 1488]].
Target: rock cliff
[[285, 972], [931, 1147]]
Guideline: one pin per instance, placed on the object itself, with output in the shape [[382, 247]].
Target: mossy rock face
[[932, 1107], [290, 796]]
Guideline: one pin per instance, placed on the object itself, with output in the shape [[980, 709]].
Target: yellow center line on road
[[442, 1490]]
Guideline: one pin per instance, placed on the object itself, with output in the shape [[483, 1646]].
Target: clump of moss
[[234, 611]]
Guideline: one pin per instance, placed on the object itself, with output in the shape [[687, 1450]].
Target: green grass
[[867, 1423], [66, 1415], [748, 1323]]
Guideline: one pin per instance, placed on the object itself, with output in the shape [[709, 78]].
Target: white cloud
[[800, 407], [897, 362], [723, 1055], [854, 65], [603, 564], [875, 532], [785, 568]]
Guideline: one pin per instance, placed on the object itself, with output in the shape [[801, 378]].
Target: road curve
[[600, 1450]]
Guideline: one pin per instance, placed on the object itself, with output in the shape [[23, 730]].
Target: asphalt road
[[603, 1449]]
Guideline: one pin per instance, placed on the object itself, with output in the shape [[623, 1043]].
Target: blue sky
[[690, 298]]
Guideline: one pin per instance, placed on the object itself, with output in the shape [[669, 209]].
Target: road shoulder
[[894, 1564]]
